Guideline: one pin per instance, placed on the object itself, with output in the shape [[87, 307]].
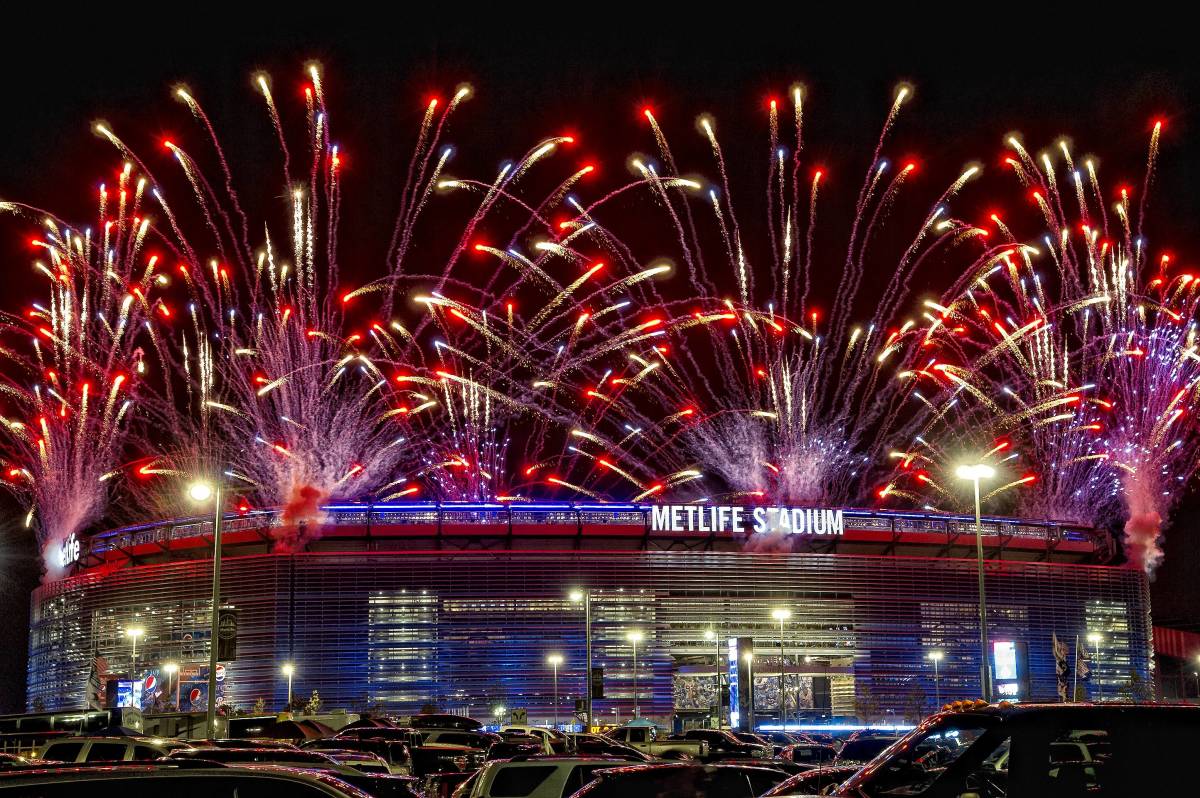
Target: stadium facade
[[459, 605]]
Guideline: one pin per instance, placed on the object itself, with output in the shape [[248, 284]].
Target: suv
[[107, 749], [1029, 749], [537, 777]]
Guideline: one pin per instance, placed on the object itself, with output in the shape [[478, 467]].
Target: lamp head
[[171, 667], [781, 614], [634, 637], [200, 491], [575, 595], [288, 669], [554, 659], [709, 634], [936, 656], [135, 632], [975, 472]]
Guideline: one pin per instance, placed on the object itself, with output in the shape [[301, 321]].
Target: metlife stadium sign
[[743, 520]]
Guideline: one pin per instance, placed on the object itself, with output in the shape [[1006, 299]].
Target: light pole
[[781, 615], [133, 633], [975, 473], [289, 670], [634, 638], [555, 660], [172, 670], [585, 597], [749, 657], [1095, 638], [201, 492], [710, 634], [498, 714], [935, 657]]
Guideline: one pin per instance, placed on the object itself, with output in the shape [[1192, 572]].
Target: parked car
[[8, 761], [536, 731], [393, 752], [245, 742], [153, 778], [723, 745], [377, 785], [537, 777], [443, 785], [681, 779], [433, 720], [429, 759], [107, 749], [361, 761], [471, 739], [861, 750], [518, 745], [1035, 749], [809, 753], [645, 738], [818, 781], [598, 745]]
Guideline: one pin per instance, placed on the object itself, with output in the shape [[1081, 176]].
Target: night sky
[[1100, 86]]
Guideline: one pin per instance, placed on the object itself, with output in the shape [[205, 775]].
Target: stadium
[[395, 607]]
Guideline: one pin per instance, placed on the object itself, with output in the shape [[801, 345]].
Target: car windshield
[[924, 755]]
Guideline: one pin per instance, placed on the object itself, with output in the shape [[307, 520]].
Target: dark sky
[[540, 73]]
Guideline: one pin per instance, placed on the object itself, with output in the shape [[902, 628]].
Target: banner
[[227, 628]]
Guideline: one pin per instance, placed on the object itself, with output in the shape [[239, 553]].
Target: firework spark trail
[[549, 357], [74, 379], [1090, 365]]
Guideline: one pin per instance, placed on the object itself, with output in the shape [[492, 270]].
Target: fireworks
[[1077, 347], [76, 363], [646, 344]]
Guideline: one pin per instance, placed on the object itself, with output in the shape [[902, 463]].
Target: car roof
[[92, 773]]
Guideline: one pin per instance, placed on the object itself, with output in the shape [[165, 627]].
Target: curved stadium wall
[[396, 609]]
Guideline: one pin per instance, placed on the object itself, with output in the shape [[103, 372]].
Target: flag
[[1060, 665], [1082, 658], [95, 681]]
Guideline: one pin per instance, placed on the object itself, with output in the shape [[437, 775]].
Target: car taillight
[[460, 762]]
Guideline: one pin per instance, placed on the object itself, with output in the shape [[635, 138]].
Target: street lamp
[[782, 614], [289, 670], [171, 669], [585, 597], [710, 634], [133, 633], [555, 660], [975, 473], [935, 657], [200, 492], [634, 638], [1095, 638], [498, 714]]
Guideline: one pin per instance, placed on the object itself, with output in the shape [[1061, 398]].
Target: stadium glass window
[[518, 782]]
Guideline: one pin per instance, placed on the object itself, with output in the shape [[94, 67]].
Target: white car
[[107, 749], [547, 735], [537, 776]]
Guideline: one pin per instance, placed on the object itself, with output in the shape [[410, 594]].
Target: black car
[[862, 749], [154, 778], [723, 745], [378, 785], [433, 720], [394, 752], [809, 753], [818, 781], [1060, 750], [671, 780]]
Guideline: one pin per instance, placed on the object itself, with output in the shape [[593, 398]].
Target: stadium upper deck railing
[[487, 519]]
